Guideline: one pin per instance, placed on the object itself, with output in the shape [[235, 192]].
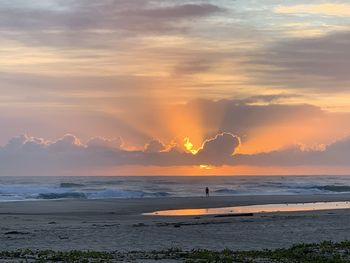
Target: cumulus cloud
[[219, 149], [26, 155], [334, 154], [100, 142], [23, 143], [66, 143], [155, 146]]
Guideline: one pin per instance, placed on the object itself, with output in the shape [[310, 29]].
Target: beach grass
[[324, 252]]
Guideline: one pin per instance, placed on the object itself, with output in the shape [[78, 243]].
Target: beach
[[118, 224]]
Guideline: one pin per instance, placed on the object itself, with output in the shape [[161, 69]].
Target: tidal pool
[[267, 208]]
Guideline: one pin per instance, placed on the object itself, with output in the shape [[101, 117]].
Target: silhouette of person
[[207, 192]]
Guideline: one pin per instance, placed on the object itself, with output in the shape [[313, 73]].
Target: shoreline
[[118, 224], [137, 206]]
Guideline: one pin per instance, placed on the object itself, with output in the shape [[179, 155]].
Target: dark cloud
[[24, 143], [219, 149], [318, 63], [100, 142], [96, 24], [194, 66], [177, 11], [242, 115], [335, 154], [66, 143], [155, 146], [26, 155], [273, 98]]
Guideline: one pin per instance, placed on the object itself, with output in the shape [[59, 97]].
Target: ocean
[[43, 188]]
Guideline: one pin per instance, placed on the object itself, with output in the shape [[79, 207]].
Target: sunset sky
[[148, 87]]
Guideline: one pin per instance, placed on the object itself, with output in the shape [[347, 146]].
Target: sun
[[189, 146]]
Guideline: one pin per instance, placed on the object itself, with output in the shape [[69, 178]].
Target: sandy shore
[[111, 225]]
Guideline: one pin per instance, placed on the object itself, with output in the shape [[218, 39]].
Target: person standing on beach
[[207, 192]]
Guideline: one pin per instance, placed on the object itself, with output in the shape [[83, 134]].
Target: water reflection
[[268, 208]]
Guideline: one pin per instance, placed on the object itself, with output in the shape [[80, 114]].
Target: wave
[[70, 185], [334, 188], [68, 195], [226, 191], [111, 193], [159, 194], [29, 188]]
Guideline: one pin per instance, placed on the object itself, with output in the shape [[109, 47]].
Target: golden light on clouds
[[274, 74], [331, 9], [296, 131], [206, 167]]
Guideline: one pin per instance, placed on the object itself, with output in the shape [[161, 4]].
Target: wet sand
[[111, 225]]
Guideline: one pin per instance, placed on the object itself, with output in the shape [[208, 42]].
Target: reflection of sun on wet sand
[[111, 225], [264, 208]]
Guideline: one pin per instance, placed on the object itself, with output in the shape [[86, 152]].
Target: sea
[[44, 188]]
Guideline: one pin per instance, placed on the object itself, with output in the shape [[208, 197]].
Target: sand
[[110, 225]]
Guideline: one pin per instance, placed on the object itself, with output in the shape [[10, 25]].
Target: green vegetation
[[325, 252]]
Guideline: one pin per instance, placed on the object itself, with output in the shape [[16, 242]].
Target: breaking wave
[[69, 195], [226, 191], [48, 188], [70, 185], [335, 188]]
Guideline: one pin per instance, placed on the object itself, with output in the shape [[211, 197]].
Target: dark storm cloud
[[319, 63]]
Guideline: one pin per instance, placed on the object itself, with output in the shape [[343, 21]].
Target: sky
[[150, 87]]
